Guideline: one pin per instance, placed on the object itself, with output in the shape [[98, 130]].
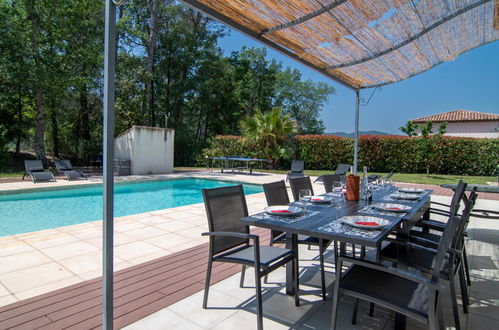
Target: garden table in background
[[229, 163], [321, 221]]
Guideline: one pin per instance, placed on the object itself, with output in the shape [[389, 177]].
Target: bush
[[381, 153]]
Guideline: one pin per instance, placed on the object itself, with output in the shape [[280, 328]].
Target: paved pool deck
[[36, 263]]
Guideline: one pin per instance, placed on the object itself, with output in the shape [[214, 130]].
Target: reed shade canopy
[[362, 43]]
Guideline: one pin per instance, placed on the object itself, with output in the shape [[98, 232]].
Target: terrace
[[51, 279]]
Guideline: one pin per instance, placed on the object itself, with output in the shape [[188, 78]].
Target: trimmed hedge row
[[381, 153]]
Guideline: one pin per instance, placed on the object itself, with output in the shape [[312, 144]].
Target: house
[[465, 123]]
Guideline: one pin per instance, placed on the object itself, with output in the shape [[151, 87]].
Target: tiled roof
[[458, 116]]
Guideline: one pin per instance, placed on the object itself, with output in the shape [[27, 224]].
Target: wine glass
[[305, 196]]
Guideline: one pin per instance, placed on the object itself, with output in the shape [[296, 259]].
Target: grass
[[435, 179], [11, 174]]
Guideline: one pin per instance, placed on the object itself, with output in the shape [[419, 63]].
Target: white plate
[[410, 197], [284, 210], [320, 199], [391, 207], [365, 222], [412, 190]]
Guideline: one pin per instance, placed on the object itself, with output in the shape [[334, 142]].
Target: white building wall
[[150, 149], [123, 146], [476, 129]]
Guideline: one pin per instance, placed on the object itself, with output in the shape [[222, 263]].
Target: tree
[[269, 130], [426, 143], [303, 100]]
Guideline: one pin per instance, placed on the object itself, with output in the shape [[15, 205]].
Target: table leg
[[402, 251], [291, 243]]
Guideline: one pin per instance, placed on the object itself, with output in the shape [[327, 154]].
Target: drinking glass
[[305, 196], [336, 203]]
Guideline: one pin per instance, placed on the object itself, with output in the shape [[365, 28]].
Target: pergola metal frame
[[109, 99]]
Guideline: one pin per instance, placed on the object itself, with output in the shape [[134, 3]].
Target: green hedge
[[381, 153]]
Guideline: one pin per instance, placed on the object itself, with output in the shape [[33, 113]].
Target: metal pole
[[108, 146], [356, 143]]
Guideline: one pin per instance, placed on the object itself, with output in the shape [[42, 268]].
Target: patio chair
[[297, 184], [35, 169], [438, 226], [297, 167], [341, 169], [230, 242], [276, 194], [422, 259], [402, 291], [64, 167], [329, 180]]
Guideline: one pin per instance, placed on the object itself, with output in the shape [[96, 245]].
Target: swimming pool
[[27, 212]]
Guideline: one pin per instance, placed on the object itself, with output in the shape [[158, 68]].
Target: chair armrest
[[432, 224], [253, 237], [441, 204], [412, 245], [420, 241], [392, 270], [439, 212]]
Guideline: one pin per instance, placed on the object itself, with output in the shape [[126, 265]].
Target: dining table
[[327, 222]]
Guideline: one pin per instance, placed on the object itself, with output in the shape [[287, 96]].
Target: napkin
[[281, 211], [366, 223]]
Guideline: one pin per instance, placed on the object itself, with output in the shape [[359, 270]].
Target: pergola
[[357, 43]]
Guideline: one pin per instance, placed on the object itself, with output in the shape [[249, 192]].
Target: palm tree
[[269, 130]]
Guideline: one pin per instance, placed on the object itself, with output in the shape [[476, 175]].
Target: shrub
[[381, 153]]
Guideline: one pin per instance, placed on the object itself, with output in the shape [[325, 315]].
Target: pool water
[[27, 212]]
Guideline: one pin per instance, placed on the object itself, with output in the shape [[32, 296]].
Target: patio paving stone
[[69, 250], [21, 261], [21, 280], [134, 250]]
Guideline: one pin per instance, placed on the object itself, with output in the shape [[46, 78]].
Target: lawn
[[11, 174], [436, 179]]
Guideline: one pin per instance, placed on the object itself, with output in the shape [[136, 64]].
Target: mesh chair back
[[297, 166], [465, 217], [63, 165], [457, 197], [300, 183], [276, 193], [225, 207], [448, 238], [33, 166], [342, 169], [329, 180]]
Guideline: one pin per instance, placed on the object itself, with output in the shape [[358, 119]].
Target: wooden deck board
[[138, 291]]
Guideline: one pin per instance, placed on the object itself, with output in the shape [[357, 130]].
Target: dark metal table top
[[321, 221]]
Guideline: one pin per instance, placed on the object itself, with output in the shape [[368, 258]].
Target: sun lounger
[[34, 168], [341, 169], [63, 166]]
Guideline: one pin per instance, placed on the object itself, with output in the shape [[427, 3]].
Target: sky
[[470, 82]]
